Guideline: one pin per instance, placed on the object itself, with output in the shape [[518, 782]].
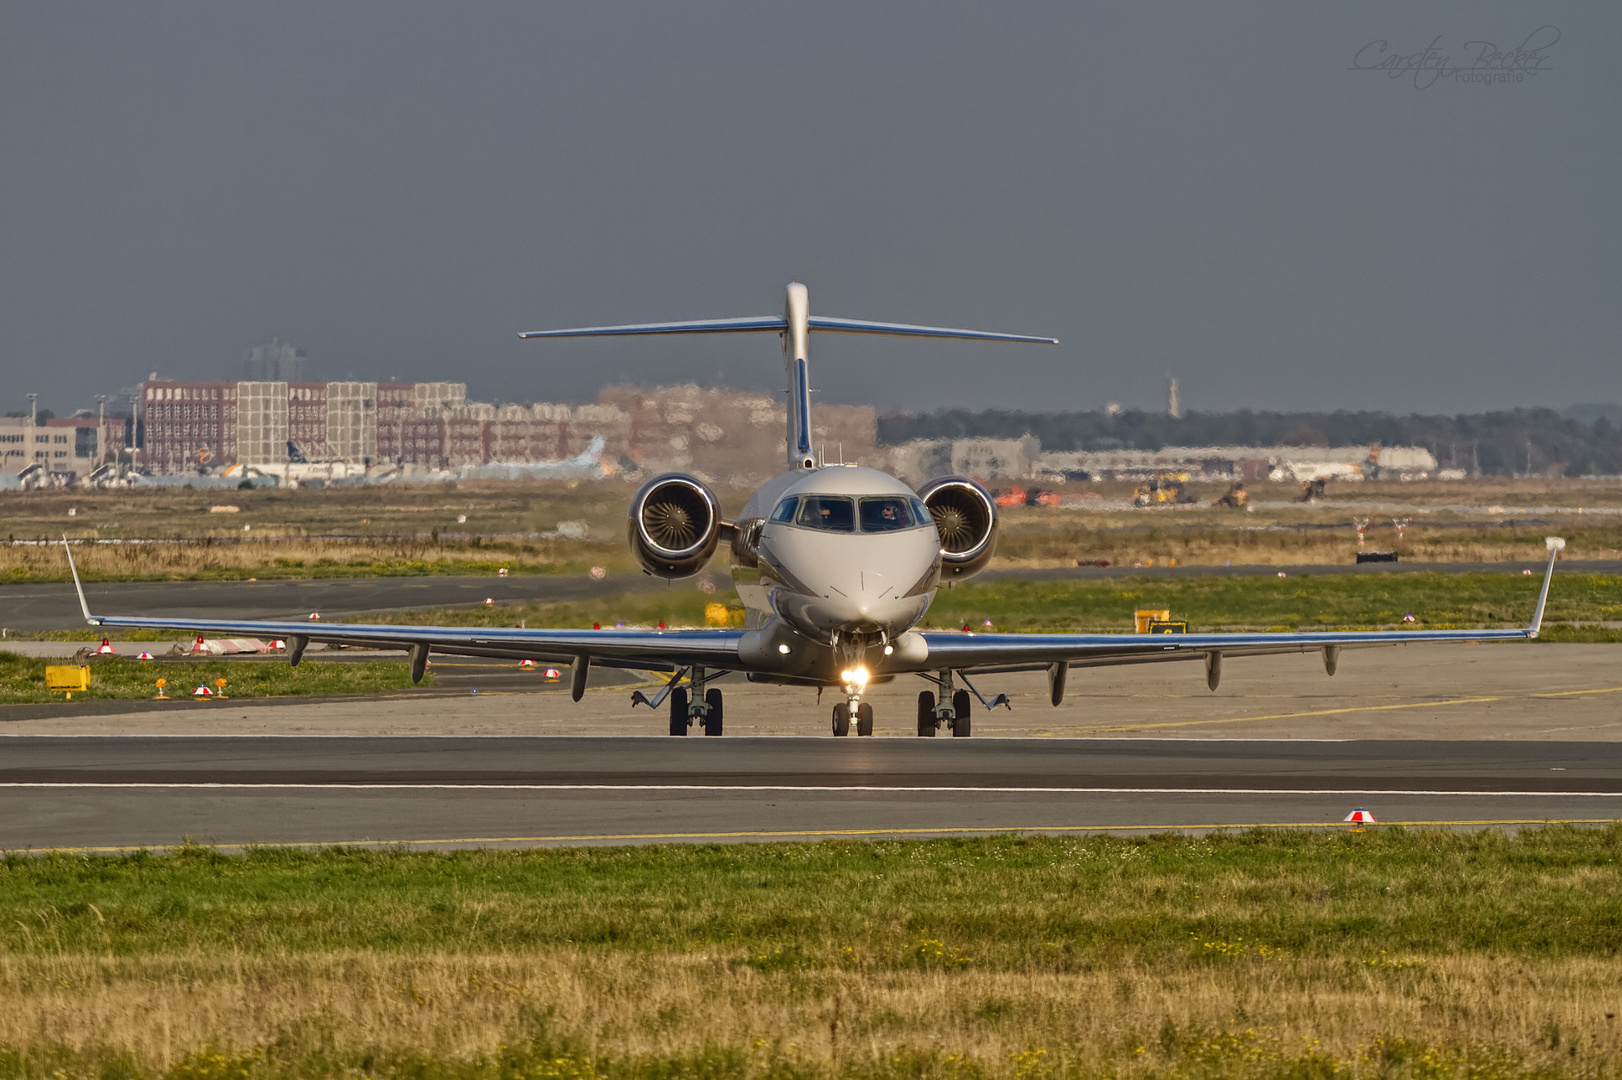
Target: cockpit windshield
[[841, 513], [886, 513], [830, 513]]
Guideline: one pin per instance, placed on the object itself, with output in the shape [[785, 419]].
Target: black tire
[[864, 719], [961, 725], [926, 713], [962, 708], [678, 711], [712, 722], [841, 720]]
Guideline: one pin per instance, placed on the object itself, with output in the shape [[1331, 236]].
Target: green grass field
[[22, 679], [1385, 954]]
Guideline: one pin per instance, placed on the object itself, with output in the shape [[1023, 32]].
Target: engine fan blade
[[670, 525]]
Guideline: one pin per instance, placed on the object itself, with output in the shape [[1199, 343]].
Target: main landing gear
[[956, 716], [953, 711], [697, 705]]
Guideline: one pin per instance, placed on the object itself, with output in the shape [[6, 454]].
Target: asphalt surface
[[109, 792], [55, 606]]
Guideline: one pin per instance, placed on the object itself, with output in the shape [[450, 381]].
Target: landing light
[[783, 649], [888, 649], [856, 676]]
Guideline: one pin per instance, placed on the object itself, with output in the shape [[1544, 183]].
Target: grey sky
[[1197, 189]]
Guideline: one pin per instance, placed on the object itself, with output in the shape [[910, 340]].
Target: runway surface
[[111, 792], [55, 607]]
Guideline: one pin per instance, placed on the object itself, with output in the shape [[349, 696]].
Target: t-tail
[[794, 326]]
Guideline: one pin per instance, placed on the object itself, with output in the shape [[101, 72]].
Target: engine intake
[[966, 517], [675, 525]]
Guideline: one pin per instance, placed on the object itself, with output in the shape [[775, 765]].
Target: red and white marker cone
[[144, 655], [490, 600], [527, 665], [1361, 817], [198, 646], [105, 648], [551, 674], [202, 691], [315, 616]]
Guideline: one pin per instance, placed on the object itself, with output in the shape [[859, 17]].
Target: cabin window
[[830, 513], [887, 513], [785, 509]]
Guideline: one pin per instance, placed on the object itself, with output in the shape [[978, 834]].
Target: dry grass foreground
[[1266, 954]]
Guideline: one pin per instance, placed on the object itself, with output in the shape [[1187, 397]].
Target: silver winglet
[[84, 605], [1555, 545]]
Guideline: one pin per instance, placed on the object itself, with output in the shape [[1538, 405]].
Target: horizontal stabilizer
[[862, 326], [775, 324]]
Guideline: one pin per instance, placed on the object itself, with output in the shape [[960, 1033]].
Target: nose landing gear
[[854, 683], [864, 718]]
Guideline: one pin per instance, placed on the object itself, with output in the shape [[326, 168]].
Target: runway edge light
[[1361, 817]]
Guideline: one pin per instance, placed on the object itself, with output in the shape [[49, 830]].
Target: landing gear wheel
[[864, 719], [926, 713], [841, 720], [678, 712], [961, 711], [712, 722]]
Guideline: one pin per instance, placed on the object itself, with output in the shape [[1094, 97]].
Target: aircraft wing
[[989, 653], [646, 650]]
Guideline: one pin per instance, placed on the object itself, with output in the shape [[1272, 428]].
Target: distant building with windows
[[205, 427], [62, 445]]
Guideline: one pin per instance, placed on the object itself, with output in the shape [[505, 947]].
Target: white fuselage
[[847, 561]]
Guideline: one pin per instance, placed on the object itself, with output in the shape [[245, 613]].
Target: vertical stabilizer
[[796, 343], [794, 326]]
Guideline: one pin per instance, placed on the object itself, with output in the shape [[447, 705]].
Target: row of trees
[[1514, 443]]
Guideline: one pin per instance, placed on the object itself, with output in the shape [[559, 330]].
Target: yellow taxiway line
[[1315, 712]]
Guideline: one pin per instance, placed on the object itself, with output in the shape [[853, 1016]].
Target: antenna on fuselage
[[794, 326]]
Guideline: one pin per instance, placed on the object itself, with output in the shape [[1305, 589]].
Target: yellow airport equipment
[[1168, 626], [65, 679], [1144, 616], [160, 695], [219, 688]]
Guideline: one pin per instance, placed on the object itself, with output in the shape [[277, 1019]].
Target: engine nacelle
[[966, 517], [675, 525]]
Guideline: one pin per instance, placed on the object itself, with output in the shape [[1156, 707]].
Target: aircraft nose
[[863, 590]]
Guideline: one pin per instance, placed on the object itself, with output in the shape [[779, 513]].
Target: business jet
[[836, 566]]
